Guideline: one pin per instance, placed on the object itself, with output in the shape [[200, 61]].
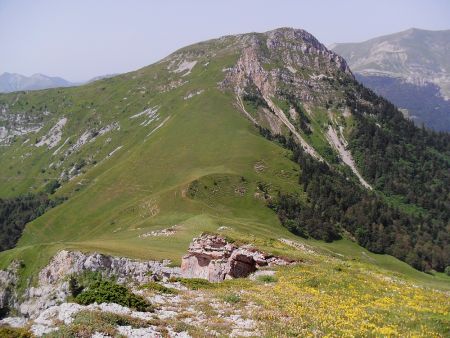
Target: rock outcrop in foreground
[[53, 288], [213, 258]]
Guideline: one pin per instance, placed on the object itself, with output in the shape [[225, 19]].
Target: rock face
[[8, 280], [126, 270], [213, 258], [295, 50], [52, 287], [271, 60]]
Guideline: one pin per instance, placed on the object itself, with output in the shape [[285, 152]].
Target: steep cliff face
[[289, 71], [289, 60]]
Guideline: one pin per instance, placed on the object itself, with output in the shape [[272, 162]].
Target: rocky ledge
[[213, 258]]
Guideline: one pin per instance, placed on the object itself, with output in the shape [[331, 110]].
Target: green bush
[[447, 270], [232, 298], [159, 288], [267, 279], [51, 186], [106, 291]]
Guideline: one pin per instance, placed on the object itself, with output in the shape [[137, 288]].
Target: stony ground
[[205, 311]]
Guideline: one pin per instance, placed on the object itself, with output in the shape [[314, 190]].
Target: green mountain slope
[[175, 144]]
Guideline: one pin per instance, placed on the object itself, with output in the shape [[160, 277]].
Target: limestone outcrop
[[124, 269], [52, 286], [211, 257]]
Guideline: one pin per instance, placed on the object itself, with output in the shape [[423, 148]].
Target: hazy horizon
[[79, 40]]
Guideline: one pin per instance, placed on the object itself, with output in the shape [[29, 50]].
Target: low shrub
[[104, 291], [159, 288], [267, 279], [232, 298], [74, 286]]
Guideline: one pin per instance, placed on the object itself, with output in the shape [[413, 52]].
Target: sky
[[80, 39]]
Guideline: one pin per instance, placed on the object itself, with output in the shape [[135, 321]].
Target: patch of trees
[[303, 120], [253, 97], [16, 212], [337, 204], [399, 158]]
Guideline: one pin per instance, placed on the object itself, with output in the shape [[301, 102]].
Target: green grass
[[232, 298], [154, 286], [194, 283]]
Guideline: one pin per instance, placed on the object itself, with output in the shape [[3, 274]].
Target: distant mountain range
[[11, 82], [410, 68]]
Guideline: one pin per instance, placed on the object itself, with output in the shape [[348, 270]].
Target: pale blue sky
[[80, 39]]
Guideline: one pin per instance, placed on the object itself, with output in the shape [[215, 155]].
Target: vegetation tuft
[[194, 283], [11, 332], [267, 279], [232, 298], [154, 286]]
